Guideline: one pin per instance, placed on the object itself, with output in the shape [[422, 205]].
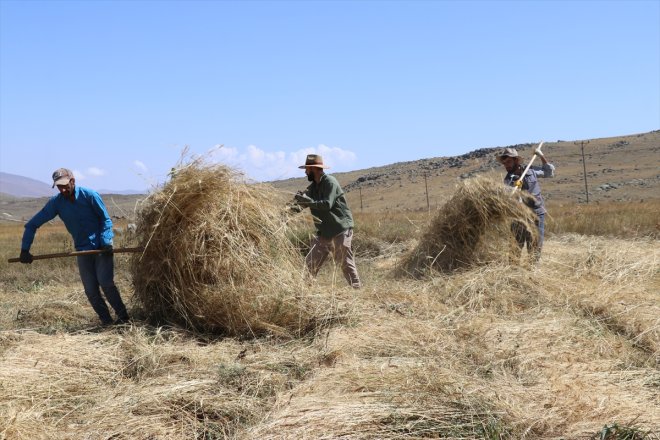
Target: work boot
[[123, 320]]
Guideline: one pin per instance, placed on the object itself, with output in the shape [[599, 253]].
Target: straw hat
[[313, 160]]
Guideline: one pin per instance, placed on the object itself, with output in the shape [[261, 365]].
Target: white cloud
[[96, 172], [140, 165], [336, 157], [256, 155], [79, 175], [264, 165], [226, 155]]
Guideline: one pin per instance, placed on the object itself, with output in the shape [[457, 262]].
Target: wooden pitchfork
[[76, 253], [518, 183]]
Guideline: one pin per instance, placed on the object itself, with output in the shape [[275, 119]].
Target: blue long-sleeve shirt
[[85, 218]]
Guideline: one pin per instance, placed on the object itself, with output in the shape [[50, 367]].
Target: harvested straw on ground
[[217, 257], [472, 227]]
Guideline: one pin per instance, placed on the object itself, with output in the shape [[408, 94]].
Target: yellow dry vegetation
[[568, 348]]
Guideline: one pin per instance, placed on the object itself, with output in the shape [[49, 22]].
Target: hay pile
[[217, 257], [471, 228]]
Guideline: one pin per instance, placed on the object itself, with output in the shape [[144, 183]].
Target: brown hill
[[623, 168]]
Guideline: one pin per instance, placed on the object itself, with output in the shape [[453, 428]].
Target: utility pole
[[426, 185], [584, 167], [360, 188]]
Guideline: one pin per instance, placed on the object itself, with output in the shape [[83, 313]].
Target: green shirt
[[331, 213]]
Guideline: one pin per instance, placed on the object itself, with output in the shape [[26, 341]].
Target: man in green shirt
[[332, 218]]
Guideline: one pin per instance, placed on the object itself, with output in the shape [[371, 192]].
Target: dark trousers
[[525, 237], [96, 273]]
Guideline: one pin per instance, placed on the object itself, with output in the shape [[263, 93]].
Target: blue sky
[[116, 89]]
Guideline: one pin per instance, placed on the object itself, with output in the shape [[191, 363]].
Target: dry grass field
[[566, 349]]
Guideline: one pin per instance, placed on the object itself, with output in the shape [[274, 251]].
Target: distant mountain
[[19, 186], [126, 192]]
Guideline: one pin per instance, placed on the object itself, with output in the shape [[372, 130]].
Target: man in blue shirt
[[511, 160], [85, 217]]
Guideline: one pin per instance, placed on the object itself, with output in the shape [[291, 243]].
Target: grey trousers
[[342, 252]]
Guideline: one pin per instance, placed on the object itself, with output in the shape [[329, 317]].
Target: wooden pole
[[426, 185], [360, 188], [584, 168], [76, 253]]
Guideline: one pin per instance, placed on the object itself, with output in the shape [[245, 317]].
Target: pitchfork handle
[[76, 253]]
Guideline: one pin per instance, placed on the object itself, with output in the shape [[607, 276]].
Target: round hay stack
[[473, 227], [217, 256]]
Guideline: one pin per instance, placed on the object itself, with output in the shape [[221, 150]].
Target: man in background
[[84, 214], [530, 183], [333, 220]]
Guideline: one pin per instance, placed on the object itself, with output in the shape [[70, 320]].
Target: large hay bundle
[[472, 227], [217, 257]]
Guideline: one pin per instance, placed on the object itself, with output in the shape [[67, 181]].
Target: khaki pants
[[340, 246]]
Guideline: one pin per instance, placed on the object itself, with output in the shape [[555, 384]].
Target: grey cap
[[62, 176], [507, 152]]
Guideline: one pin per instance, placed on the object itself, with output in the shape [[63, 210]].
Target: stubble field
[[568, 348]]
